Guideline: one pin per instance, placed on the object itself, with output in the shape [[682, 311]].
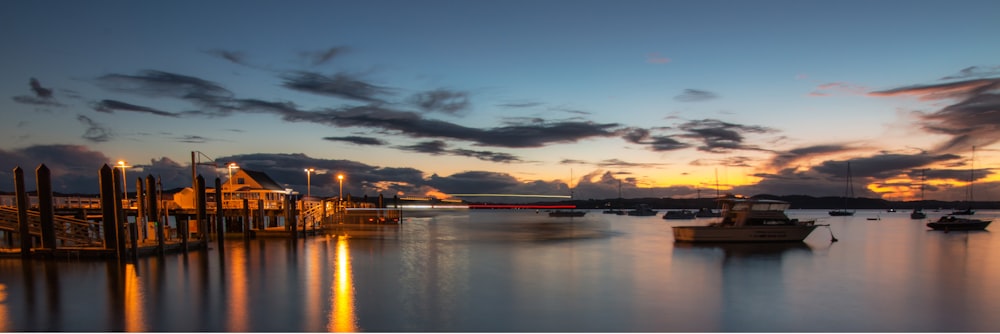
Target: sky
[[448, 98]]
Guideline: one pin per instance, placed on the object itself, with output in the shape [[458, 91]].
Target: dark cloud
[[519, 105], [95, 132], [974, 119], [235, 57], [321, 57], [193, 139], [665, 143], [618, 163], [340, 85], [151, 83], [358, 140], [783, 159], [718, 136], [695, 95], [441, 100], [40, 92], [435, 147], [74, 168], [476, 182], [109, 106], [25, 99], [974, 72]]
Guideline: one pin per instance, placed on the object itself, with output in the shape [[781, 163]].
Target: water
[[517, 271]]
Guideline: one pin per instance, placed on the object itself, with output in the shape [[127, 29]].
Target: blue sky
[[448, 97]]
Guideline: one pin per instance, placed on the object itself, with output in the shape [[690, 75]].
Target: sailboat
[[570, 213], [706, 212], [918, 212], [621, 201], [968, 195], [848, 193]]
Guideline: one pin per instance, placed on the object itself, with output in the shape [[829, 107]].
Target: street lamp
[[231, 166], [340, 177], [121, 164], [308, 184]]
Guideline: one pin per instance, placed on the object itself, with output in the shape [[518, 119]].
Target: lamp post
[[308, 183], [230, 166], [121, 164], [340, 177]]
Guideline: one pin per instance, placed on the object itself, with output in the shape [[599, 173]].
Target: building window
[[240, 180]]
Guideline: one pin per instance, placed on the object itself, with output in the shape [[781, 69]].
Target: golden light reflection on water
[[4, 313], [314, 272], [237, 303], [135, 319], [342, 317]]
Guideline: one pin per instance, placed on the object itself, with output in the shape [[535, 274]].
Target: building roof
[[265, 181]]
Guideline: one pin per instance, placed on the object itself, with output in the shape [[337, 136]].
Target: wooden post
[[22, 211], [220, 229], [201, 205], [203, 211], [290, 217], [139, 223], [246, 219], [153, 212], [120, 218], [260, 215], [43, 180], [108, 207]]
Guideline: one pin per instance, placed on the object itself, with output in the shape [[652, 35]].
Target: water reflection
[[5, 319], [342, 317], [135, 318], [236, 313]]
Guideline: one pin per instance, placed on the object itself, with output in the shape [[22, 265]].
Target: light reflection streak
[[135, 320], [238, 291], [313, 275], [342, 317], [4, 313]]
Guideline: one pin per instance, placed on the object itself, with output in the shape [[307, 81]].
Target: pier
[[111, 225]]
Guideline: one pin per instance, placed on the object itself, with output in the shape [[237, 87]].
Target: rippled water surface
[[515, 271]]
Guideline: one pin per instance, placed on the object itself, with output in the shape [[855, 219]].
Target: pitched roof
[[265, 181]]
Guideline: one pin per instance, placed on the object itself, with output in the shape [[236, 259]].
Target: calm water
[[521, 271]]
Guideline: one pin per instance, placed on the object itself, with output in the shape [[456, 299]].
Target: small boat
[[841, 213], [679, 214], [918, 213], [707, 213], [968, 193], [614, 211], [641, 210], [952, 223], [966, 212], [749, 220], [890, 210], [561, 213]]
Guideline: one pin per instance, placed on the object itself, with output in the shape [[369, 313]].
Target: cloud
[[40, 92], [784, 159], [340, 85], [157, 84], [442, 100], [695, 95], [109, 106], [323, 56], [193, 139], [438, 147], [828, 89], [718, 136], [234, 57], [43, 96], [74, 168], [518, 105], [973, 119], [358, 140], [974, 72], [95, 132]]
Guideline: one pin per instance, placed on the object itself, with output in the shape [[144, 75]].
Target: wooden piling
[[203, 211], [220, 229], [120, 218], [43, 180], [108, 207], [22, 211], [153, 212], [246, 219]]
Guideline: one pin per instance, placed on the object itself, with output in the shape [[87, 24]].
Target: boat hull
[[784, 233], [959, 224]]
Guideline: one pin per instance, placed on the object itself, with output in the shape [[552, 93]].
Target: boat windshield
[[760, 206]]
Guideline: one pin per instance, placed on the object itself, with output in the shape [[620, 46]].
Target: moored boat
[[641, 210], [952, 223], [749, 220], [679, 214], [707, 213], [561, 213]]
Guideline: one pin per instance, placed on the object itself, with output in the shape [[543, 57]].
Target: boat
[[707, 213], [679, 214], [968, 194], [621, 202], [641, 210], [848, 193], [749, 220], [918, 213], [890, 210], [952, 223]]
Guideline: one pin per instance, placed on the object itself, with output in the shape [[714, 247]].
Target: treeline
[[797, 202]]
